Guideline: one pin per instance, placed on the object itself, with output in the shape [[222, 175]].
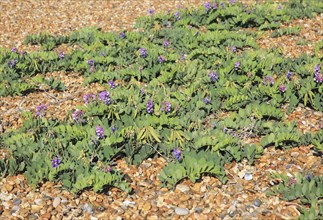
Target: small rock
[[294, 154], [87, 208], [248, 176], [38, 201], [14, 209], [257, 202], [17, 202], [198, 210], [56, 202], [93, 218], [181, 211], [232, 213], [146, 207], [182, 188], [9, 187], [127, 203], [32, 217]]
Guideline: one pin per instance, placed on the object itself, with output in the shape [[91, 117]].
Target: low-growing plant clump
[[165, 89]]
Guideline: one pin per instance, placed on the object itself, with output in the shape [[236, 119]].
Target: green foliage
[[211, 64], [286, 31], [193, 165], [308, 189]]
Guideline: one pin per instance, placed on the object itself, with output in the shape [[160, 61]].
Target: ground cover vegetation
[[191, 86]]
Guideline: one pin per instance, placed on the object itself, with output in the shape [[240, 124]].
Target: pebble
[[17, 202], [56, 201], [248, 176], [182, 188], [294, 154], [87, 208], [198, 210], [257, 202], [181, 211]]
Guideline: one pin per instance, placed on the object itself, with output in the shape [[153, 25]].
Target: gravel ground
[[240, 198]]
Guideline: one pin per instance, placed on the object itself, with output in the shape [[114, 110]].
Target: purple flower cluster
[[279, 7], [88, 98], [111, 84], [289, 75], [233, 49], [99, 132], [236, 65], [77, 115], [177, 16], [207, 6], [182, 56], [161, 59], [166, 106], [318, 76], [107, 169], [222, 4], [165, 43], [143, 52], [41, 110], [56, 161], [177, 154], [105, 97], [90, 62], [122, 35], [61, 55], [151, 11], [282, 88], [232, 2], [14, 50], [12, 63], [113, 128], [213, 76], [150, 106], [207, 100], [268, 80]]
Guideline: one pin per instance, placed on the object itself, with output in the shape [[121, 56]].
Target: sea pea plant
[[165, 88]]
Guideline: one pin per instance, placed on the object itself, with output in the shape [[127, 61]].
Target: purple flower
[[107, 169], [161, 59], [166, 106], [143, 52], [182, 56], [236, 65], [215, 6], [213, 76], [77, 115], [12, 63], [207, 6], [90, 62], [103, 54], [207, 100], [56, 161], [113, 128], [318, 76], [177, 16], [151, 11], [105, 97], [289, 75], [41, 110], [122, 35], [177, 154], [282, 88], [268, 80], [61, 55], [308, 178], [233, 49], [14, 50], [279, 7], [150, 106], [92, 69], [232, 2], [166, 43], [99, 132], [111, 84], [222, 4], [89, 97]]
